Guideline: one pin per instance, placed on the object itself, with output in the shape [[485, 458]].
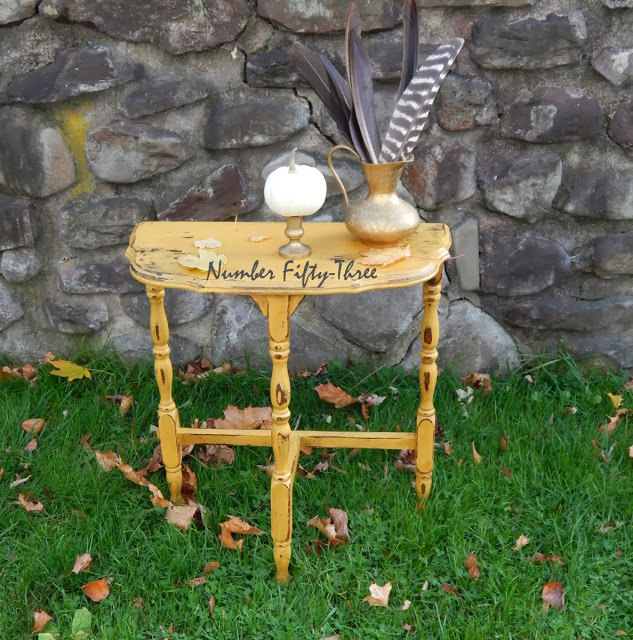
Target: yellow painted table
[[278, 285]]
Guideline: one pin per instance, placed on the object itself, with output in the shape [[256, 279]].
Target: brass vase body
[[382, 219]]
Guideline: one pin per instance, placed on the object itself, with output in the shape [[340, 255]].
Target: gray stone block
[[618, 4], [16, 229], [180, 306], [84, 70], [75, 317], [517, 266], [153, 95], [530, 43], [615, 64], [124, 153], [15, 10], [466, 102], [609, 256], [466, 247], [97, 275], [20, 265], [136, 344], [475, 3], [524, 187], [10, 308], [621, 127]]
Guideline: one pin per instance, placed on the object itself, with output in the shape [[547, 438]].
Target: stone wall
[[122, 111]]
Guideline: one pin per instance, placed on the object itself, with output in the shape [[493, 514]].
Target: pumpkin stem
[[292, 168]]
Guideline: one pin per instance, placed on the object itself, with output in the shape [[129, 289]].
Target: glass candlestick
[[295, 248]]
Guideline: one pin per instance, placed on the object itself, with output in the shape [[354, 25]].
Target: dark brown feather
[[410, 44]]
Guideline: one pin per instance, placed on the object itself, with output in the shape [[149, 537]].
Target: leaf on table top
[[259, 237], [249, 418], [333, 528], [521, 541], [31, 446], [471, 564], [124, 402], [31, 504], [476, 456], [181, 515], [205, 259], [34, 426], [334, 395], [616, 400], [503, 443], [70, 370], [479, 381], [207, 243], [451, 589], [553, 596], [97, 590], [41, 619], [107, 461], [82, 563], [378, 596], [383, 257]]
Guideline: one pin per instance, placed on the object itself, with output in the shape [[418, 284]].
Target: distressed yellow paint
[[153, 254], [74, 123]]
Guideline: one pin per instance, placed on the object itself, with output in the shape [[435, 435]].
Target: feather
[[363, 96], [352, 25], [413, 108], [313, 69], [410, 44]]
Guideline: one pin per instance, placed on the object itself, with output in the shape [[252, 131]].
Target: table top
[[255, 268]]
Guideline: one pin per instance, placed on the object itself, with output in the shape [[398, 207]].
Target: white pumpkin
[[295, 190]]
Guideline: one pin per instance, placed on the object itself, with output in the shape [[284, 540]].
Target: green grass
[[559, 494]]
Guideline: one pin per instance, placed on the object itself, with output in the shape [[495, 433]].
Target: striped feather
[[413, 108]]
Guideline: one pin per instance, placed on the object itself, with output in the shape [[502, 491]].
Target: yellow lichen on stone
[[74, 123]]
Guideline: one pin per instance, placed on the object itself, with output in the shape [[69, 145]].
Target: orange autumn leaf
[[333, 528], [31, 446], [334, 395], [451, 589], [521, 541], [479, 381], [82, 563], [1, 472], [107, 461], [503, 443], [212, 565], [97, 590], [471, 564], [41, 620], [476, 455], [196, 582], [383, 257], [236, 525], [448, 448], [124, 402], [378, 596], [31, 504], [212, 605], [505, 471], [34, 426], [227, 540], [249, 418], [180, 515], [553, 596]]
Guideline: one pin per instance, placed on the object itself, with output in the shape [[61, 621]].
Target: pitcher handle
[[338, 180]]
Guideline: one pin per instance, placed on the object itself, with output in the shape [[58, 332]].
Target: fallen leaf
[[214, 453], [610, 526], [630, 452], [97, 590], [619, 633], [212, 565], [505, 471], [628, 386], [476, 455], [616, 400], [448, 448], [503, 443], [406, 460], [425, 585], [138, 602], [1, 472], [18, 481], [124, 402], [236, 525], [41, 620], [34, 426], [539, 558], [571, 410], [479, 381], [609, 427], [207, 243], [259, 237], [521, 541], [107, 461], [408, 627], [383, 257], [30, 505], [212, 605], [196, 582], [450, 589], [31, 446], [333, 528], [553, 596], [406, 605], [82, 563], [379, 596], [180, 515], [189, 482], [249, 418], [70, 370], [205, 259], [471, 564], [227, 540], [465, 396], [334, 395]]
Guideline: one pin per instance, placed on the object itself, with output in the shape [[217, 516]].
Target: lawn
[[569, 491]]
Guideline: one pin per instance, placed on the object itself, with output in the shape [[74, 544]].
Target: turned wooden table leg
[[285, 448], [428, 377], [167, 413]]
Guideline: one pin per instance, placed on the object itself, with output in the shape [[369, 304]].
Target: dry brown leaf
[[196, 582], [138, 602], [406, 605], [18, 481], [34, 426], [1, 472], [406, 460], [31, 504], [619, 633], [471, 564], [571, 410], [334, 395], [451, 589], [214, 453], [212, 605], [448, 448], [226, 539], [539, 558], [503, 443], [408, 627], [124, 402], [97, 590], [236, 525], [180, 515], [378, 596], [131, 474], [630, 453], [505, 471], [107, 461], [553, 596], [31, 446], [628, 386], [157, 497], [82, 563], [521, 541], [333, 528], [479, 381], [189, 482], [259, 237], [476, 455], [609, 427], [249, 418], [383, 257], [615, 399], [41, 620], [212, 565]]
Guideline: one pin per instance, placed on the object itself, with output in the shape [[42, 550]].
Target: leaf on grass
[[259, 237], [227, 540], [406, 605], [448, 448], [609, 527], [521, 541], [212, 565], [31, 446], [571, 410], [236, 525], [82, 622], [70, 370], [124, 402], [34, 426], [465, 396], [630, 452], [408, 627], [334, 395], [189, 482], [628, 386], [378, 596], [333, 528], [476, 455], [614, 421], [1, 472], [212, 605], [615, 399], [207, 243], [383, 257], [28, 372], [244, 419], [539, 558], [97, 590], [451, 589], [196, 582], [503, 443], [107, 461], [82, 563], [471, 564], [181, 515], [506, 472], [31, 504], [479, 381], [619, 633], [18, 481], [214, 453], [157, 497], [41, 620], [553, 596], [406, 460]]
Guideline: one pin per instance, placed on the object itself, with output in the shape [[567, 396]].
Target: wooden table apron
[[278, 286]]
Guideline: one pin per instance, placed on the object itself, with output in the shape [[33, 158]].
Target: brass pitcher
[[382, 219]]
